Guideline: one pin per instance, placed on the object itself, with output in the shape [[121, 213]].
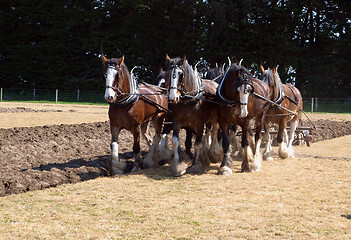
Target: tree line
[[56, 44]]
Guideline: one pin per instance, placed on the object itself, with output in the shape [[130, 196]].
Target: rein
[[274, 103]]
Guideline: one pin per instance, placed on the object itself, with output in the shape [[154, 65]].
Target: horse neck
[[228, 86], [272, 84], [124, 85]]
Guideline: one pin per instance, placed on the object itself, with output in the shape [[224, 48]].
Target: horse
[[214, 72], [187, 101], [287, 108], [132, 106], [242, 98]]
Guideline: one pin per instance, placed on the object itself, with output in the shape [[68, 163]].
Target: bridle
[[245, 80], [174, 69], [118, 75], [173, 76]]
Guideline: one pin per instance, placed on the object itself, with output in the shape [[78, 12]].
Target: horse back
[[261, 88], [209, 86], [294, 97]]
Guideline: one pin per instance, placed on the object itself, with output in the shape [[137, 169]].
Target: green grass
[[60, 102]]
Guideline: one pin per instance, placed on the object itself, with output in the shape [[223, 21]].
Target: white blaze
[[243, 101], [110, 77], [174, 93]]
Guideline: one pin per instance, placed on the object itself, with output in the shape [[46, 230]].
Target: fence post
[[316, 105], [56, 98], [312, 103], [34, 94], [1, 94], [78, 96]]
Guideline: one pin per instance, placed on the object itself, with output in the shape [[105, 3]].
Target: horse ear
[[104, 60], [262, 68], [184, 60], [274, 70], [168, 59], [121, 60]]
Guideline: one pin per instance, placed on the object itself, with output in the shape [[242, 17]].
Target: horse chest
[[187, 115]]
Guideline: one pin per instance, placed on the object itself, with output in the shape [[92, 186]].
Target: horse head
[[115, 75], [272, 79], [180, 78], [244, 86], [160, 79], [236, 87]]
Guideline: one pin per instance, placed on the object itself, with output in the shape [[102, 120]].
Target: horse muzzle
[[110, 95]]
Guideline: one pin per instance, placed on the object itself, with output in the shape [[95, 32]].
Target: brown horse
[[238, 92], [131, 107], [190, 110], [287, 97]]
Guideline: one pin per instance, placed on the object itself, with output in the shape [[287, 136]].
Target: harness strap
[[259, 96], [150, 101]]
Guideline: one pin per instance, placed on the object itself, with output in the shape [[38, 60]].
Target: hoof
[[250, 168], [196, 169], [225, 171], [180, 169], [283, 151], [119, 168], [148, 161], [267, 157], [291, 152]]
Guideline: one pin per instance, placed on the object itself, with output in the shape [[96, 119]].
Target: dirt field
[[44, 145], [48, 145]]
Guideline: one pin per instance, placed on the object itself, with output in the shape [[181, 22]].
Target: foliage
[[56, 44]]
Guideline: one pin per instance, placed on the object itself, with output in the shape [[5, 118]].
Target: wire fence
[[51, 95], [330, 105]]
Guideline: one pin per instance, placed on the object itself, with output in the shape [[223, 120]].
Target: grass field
[[301, 198]]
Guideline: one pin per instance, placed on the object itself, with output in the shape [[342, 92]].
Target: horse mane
[[273, 81], [191, 81]]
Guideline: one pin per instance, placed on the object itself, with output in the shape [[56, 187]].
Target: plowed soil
[[44, 145]]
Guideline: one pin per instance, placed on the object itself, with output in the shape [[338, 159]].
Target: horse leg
[[233, 138], [206, 142], [267, 154], [258, 156], [136, 149], [116, 166], [215, 150], [146, 134], [153, 157], [250, 163], [293, 126], [225, 168], [188, 143], [283, 149], [177, 165], [198, 166], [163, 148]]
